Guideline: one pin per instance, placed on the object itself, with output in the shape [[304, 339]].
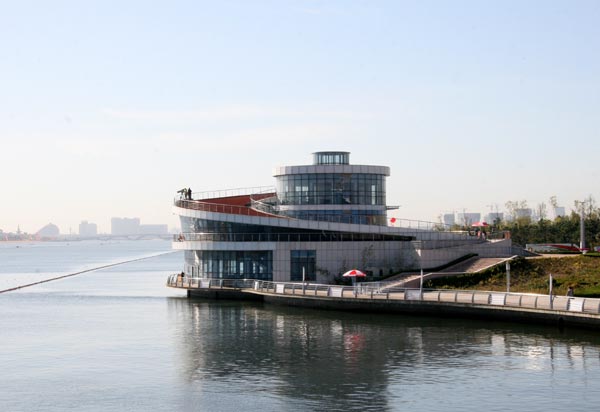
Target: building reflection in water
[[335, 360]]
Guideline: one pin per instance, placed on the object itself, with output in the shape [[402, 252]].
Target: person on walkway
[[189, 193], [570, 291]]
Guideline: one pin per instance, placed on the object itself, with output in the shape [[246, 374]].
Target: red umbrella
[[354, 273], [480, 224]]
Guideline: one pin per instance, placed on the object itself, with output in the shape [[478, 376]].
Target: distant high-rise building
[[523, 213], [88, 229], [467, 219], [494, 216], [449, 219], [558, 212], [125, 226]]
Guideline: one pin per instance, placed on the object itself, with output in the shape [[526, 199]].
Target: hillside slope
[[531, 276]]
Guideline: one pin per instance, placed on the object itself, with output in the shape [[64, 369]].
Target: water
[[28, 262], [118, 339]]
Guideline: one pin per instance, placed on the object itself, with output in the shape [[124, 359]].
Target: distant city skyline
[[118, 226], [109, 110], [447, 218]]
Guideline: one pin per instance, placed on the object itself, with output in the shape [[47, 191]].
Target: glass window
[[303, 261], [231, 265], [329, 188]]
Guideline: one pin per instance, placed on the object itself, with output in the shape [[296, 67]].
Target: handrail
[[272, 211], [221, 208], [555, 304], [322, 236], [240, 191], [263, 206]]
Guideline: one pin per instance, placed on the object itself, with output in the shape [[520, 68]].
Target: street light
[[551, 284], [303, 279], [508, 276], [421, 282]]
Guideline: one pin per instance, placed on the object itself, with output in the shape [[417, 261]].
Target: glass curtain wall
[[212, 230], [217, 264], [363, 217], [331, 158], [331, 189]]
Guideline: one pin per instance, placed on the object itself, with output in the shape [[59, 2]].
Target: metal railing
[[196, 204], [420, 225], [180, 281], [263, 206], [373, 292], [220, 208], [241, 191], [289, 237]]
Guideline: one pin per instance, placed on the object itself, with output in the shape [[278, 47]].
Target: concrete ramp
[[472, 265]]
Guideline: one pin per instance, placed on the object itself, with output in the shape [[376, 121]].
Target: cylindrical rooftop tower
[[331, 158], [331, 189]]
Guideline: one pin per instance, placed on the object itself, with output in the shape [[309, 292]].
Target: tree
[[541, 211], [511, 208], [589, 205]]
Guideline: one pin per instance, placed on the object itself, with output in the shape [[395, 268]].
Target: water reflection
[[285, 358]]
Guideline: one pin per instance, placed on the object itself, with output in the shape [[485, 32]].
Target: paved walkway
[[472, 265]]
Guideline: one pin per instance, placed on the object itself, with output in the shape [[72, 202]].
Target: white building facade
[[318, 222]]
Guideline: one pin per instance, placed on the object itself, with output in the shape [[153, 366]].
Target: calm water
[[118, 340]]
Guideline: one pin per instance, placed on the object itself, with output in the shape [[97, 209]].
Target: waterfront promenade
[[515, 307]]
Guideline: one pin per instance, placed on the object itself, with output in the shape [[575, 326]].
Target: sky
[[107, 108]]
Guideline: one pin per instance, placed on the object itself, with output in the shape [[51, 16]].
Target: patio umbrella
[[354, 273], [480, 224]]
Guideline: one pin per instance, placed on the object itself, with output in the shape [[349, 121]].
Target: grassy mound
[[531, 276]]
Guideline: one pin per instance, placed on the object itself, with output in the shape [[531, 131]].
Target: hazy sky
[[109, 107]]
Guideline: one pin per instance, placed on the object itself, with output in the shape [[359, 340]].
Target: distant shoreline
[[79, 239]]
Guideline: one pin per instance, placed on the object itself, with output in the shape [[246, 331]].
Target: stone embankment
[[514, 307]]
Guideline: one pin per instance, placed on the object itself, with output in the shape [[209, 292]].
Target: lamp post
[[581, 206], [507, 276], [551, 284], [421, 282], [582, 228], [303, 279]]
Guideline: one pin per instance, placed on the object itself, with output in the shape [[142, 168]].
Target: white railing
[[287, 237], [373, 292], [419, 225], [182, 281], [240, 191], [263, 206]]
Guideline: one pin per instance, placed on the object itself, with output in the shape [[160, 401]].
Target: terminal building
[[319, 221]]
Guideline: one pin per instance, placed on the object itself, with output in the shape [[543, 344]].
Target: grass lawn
[[532, 275]]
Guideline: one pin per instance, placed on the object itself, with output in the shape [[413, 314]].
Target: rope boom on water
[[83, 271]]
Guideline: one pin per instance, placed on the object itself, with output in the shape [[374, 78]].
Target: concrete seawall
[[440, 309], [559, 318], [230, 294]]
